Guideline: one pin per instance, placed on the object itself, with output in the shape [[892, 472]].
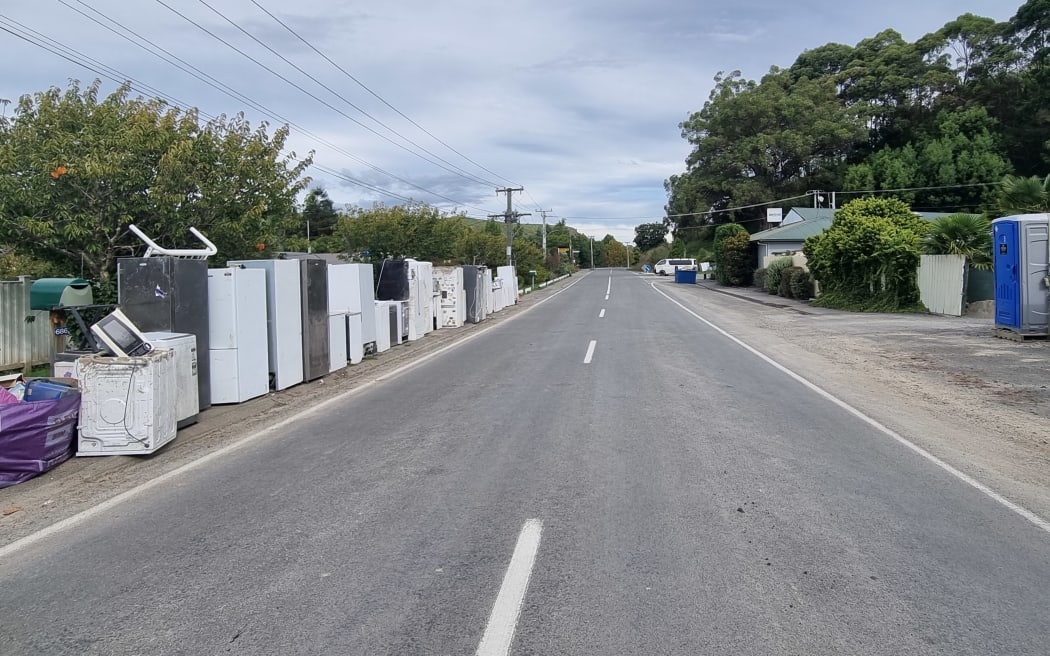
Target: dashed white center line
[[601, 315], [504, 617], [608, 288], [590, 352]]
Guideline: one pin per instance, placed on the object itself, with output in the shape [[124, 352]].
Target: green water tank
[[48, 293]]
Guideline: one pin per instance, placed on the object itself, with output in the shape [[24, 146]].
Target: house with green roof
[[788, 237], [798, 224]]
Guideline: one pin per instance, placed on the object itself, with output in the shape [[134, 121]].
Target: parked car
[[669, 266]]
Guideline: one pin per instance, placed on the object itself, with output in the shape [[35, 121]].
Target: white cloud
[[580, 102]]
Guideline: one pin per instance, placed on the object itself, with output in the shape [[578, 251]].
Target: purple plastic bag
[[36, 436]]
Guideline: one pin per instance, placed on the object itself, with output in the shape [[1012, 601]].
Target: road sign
[[646, 268]]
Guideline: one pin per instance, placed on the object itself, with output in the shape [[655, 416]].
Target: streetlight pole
[[592, 253]]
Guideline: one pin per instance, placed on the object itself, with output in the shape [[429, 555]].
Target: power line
[[376, 95], [335, 93], [308, 93], [119, 78]]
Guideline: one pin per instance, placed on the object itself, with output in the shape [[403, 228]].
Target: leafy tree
[[649, 235], [722, 233], [757, 141], [480, 247], [418, 231], [609, 252], [75, 171], [961, 155], [895, 85], [969, 235], [868, 259], [319, 213]]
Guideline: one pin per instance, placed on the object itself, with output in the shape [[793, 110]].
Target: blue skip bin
[[687, 277]]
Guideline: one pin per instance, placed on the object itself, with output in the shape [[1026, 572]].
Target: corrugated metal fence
[[942, 284], [22, 344]]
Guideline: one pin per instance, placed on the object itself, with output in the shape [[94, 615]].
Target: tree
[[868, 259], [319, 213], [649, 235], [75, 171], [609, 252], [969, 235], [481, 247], [753, 142], [954, 162], [418, 231], [722, 233]]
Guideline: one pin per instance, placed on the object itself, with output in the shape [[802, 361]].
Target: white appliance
[[497, 294], [284, 319], [509, 276], [337, 341], [120, 335], [64, 369], [385, 325], [238, 345], [364, 303], [420, 297], [490, 296], [342, 288], [127, 404], [437, 279], [452, 298], [355, 345], [184, 348]]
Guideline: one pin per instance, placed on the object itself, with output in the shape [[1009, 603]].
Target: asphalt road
[[693, 499]]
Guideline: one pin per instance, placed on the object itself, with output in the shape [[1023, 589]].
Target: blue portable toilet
[[1020, 257]]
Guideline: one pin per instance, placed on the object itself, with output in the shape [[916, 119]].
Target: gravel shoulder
[[947, 384], [979, 403]]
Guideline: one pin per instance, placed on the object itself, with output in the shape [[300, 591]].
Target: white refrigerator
[[238, 347], [284, 319], [364, 302]]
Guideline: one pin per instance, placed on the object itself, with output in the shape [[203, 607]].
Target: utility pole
[[544, 213], [510, 217], [592, 253]]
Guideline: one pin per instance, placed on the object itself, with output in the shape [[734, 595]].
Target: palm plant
[[969, 235], [1024, 195]]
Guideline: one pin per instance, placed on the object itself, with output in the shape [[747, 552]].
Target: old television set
[[120, 336]]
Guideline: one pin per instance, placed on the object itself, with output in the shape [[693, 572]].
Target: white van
[[669, 266]]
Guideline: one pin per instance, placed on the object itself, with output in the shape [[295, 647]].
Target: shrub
[[869, 257], [774, 272], [760, 278], [801, 284], [736, 265], [723, 233], [784, 288]]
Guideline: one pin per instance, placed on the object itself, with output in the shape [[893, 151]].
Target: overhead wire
[[310, 94], [376, 95], [173, 60], [335, 93]]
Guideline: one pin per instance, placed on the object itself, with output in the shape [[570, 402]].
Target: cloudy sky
[[578, 101]]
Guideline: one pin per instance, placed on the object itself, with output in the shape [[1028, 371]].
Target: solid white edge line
[[590, 352], [104, 506], [601, 315], [966, 478], [499, 632]]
